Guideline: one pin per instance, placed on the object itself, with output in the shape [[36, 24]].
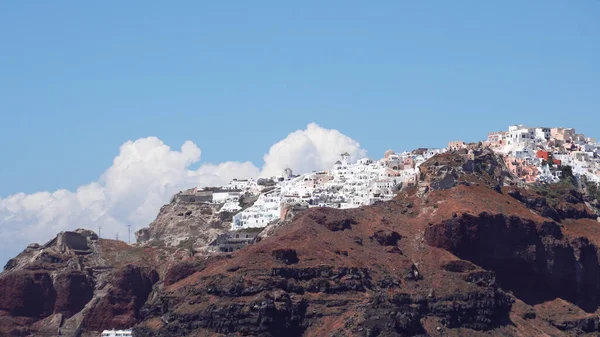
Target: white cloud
[[314, 148], [143, 177]]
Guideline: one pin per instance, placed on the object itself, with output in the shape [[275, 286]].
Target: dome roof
[[388, 153]]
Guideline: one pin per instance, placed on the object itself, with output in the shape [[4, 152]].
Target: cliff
[[185, 221], [466, 252], [75, 282]]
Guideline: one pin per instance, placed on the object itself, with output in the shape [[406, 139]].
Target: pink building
[[520, 168], [408, 163], [562, 133], [391, 173]]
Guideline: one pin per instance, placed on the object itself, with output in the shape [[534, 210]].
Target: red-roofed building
[[543, 154]]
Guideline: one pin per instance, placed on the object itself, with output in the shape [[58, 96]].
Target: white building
[[519, 135], [230, 206], [542, 134], [224, 195], [266, 209], [244, 185], [116, 333]]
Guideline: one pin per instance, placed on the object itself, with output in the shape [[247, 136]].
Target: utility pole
[[129, 234], [99, 232], [117, 237]]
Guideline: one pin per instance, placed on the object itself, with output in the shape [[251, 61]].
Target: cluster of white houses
[[347, 184], [533, 154], [536, 154]]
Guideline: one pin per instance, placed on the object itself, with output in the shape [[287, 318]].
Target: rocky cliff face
[[533, 259], [355, 272], [449, 169], [75, 282], [121, 306], [185, 221], [468, 252]]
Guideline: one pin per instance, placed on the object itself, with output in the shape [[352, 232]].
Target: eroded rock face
[[569, 206], [279, 316], [276, 307], [27, 294], [258, 292], [120, 308], [287, 256], [333, 219], [386, 237], [447, 170], [587, 324], [68, 280], [73, 291], [185, 219], [181, 271], [532, 259]]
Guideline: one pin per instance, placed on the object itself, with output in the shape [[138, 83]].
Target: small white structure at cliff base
[[116, 333]]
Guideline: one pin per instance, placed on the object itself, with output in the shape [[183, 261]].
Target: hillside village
[[533, 154], [348, 184], [537, 154]]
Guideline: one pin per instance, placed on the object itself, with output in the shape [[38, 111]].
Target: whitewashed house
[[224, 195], [116, 333]]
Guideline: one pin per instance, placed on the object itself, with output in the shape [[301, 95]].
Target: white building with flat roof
[[116, 333]]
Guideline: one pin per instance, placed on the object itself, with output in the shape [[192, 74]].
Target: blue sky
[[79, 78]]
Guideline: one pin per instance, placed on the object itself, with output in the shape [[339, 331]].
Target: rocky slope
[[467, 257], [75, 283], [186, 220], [466, 252]]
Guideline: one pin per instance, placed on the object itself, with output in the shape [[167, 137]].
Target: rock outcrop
[[75, 282], [533, 259], [186, 220], [447, 170], [120, 308]]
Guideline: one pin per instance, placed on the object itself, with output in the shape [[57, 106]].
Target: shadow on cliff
[[533, 260]]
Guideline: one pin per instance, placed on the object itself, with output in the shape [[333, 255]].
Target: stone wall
[[72, 240], [199, 197]]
